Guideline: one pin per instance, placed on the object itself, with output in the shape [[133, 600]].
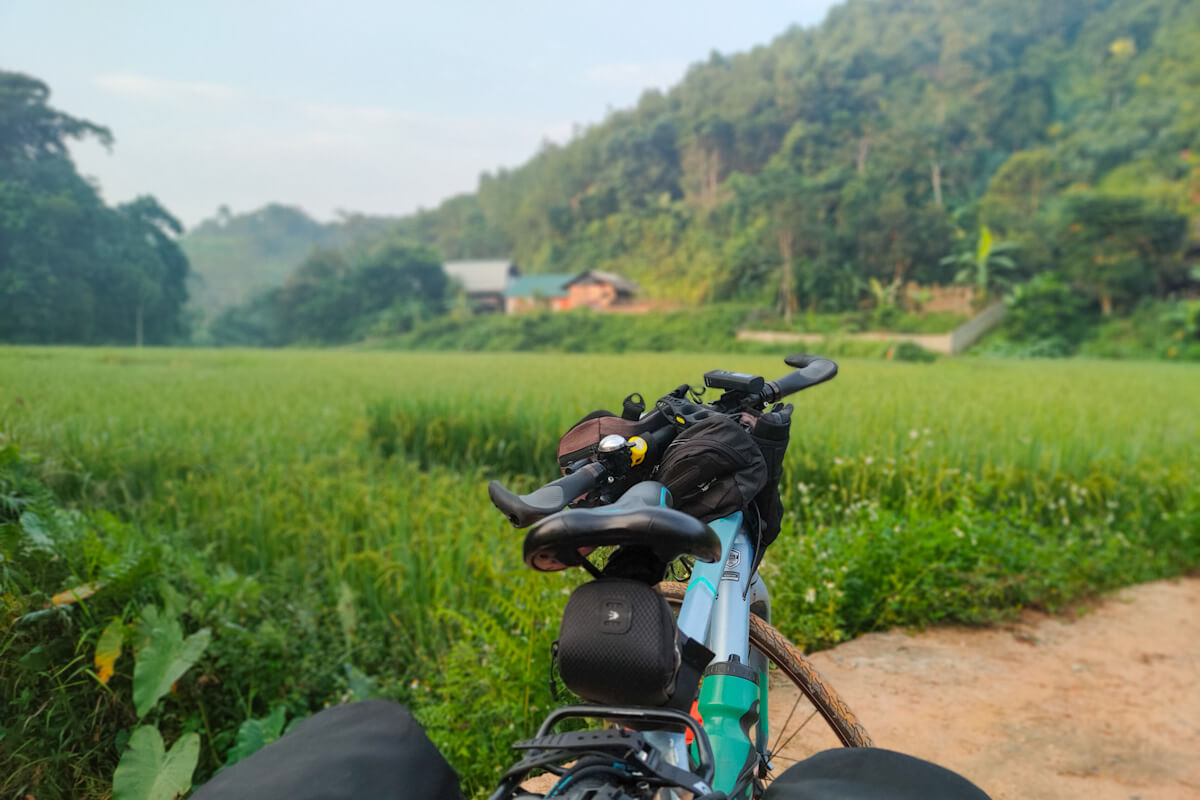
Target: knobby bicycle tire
[[798, 669]]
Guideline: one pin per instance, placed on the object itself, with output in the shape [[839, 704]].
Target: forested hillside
[[71, 268], [878, 145], [234, 255], [1047, 151]]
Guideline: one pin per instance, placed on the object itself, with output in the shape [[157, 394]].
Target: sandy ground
[[1105, 704]]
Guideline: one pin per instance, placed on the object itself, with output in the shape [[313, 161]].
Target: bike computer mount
[[742, 382], [682, 407]]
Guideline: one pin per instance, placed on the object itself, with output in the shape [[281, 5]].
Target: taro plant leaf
[[362, 686], [145, 772], [108, 649], [255, 734], [35, 660], [164, 658]]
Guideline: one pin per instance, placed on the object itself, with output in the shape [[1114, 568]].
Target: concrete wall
[[950, 344], [970, 331]]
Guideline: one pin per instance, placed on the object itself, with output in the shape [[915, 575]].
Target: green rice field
[[324, 515]]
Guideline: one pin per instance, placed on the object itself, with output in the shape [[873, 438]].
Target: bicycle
[[711, 735]]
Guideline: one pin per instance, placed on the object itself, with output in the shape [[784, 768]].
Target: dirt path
[[1106, 705]]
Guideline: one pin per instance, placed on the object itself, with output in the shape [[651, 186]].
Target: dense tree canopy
[[338, 296], [870, 147], [994, 143], [235, 255], [71, 268]]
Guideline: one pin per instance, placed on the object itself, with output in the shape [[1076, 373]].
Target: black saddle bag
[[618, 644]]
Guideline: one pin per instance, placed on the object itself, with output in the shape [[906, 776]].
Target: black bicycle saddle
[[642, 517]]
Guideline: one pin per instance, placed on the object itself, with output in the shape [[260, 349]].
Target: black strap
[[632, 407], [693, 658], [554, 670]]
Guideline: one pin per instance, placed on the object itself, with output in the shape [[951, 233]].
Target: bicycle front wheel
[[798, 696]]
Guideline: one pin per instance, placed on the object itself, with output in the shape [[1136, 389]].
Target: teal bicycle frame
[[733, 695]]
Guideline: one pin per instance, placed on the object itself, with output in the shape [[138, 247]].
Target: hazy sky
[[365, 106]]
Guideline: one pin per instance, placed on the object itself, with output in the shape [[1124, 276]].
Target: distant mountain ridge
[[874, 147], [234, 255]]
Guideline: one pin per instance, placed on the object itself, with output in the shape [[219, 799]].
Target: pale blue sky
[[364, 106]]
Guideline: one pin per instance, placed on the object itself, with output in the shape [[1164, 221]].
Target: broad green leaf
[[36, 532], [36, 659], [108, 649], [985, 244], [255, 734], [164, 658], [273, 725], [8, 454], [362, 686], [174, 603], [146, 773]]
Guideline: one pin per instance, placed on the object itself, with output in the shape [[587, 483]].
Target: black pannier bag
[[713, 468], [869, 773], [618, 644], [371, 749]]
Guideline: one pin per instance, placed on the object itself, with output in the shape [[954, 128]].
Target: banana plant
[[982, 267]]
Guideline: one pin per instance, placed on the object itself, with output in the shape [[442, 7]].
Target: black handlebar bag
[[771, 431], [721, 465], [713, 468]]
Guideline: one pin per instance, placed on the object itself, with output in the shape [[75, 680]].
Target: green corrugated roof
[[553, 285]]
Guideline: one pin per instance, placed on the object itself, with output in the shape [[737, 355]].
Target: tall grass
[[328, 508]]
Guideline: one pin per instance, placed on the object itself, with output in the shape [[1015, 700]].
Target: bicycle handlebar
[[525, 509], [810, 371]]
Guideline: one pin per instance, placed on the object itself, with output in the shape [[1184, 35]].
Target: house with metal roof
[[602, 291], [599, 290], [484, 280], [531, 292]]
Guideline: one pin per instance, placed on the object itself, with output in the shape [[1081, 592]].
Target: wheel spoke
[[800, 675], [802, 724], [786, 722]]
